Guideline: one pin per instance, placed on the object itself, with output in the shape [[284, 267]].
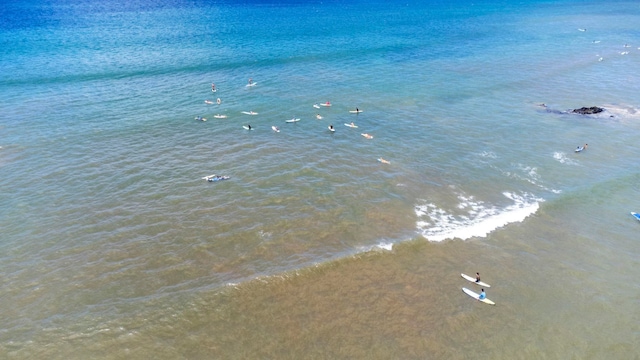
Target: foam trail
[[562, 158]]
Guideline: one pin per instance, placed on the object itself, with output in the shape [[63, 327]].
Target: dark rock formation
[[588, 110]]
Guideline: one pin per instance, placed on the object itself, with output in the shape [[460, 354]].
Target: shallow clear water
[[114, 246]]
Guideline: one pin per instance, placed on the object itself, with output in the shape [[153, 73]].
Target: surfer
[[250, 81], [213, 87], [249, 126], [218, 101], [477, 277], [482, 295], [352, 124], [331, 127], [218, 178]]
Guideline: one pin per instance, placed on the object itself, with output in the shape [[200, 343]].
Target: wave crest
[[436, 224]]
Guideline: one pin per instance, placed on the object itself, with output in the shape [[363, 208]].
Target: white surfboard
[[275, 128], [208, 102], [326, 104], [250, 112], [209, 177], [368, 136], [355, 111], [351, 126], [477, 296], [473, 280], [331, 128], [389, 162], [246, 127], [319, 117], [252, 84], [316, 106], [219, 116], [292, 120]]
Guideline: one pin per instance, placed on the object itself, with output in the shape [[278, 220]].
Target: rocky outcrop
[[588, 110]]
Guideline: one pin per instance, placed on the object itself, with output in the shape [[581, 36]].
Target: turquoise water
[[113, 246]]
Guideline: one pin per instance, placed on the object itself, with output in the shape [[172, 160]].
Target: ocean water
[[114, 247]]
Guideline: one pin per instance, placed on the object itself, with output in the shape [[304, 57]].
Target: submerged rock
[[588, 110]]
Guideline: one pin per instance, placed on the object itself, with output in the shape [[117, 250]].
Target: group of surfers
[[318, 116], [483, 295]]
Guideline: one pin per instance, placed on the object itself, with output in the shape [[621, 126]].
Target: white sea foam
[[488, 154], [265, 235], [385, 246], [622, 111], [561, 157], [530, 175], [480, 218]]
